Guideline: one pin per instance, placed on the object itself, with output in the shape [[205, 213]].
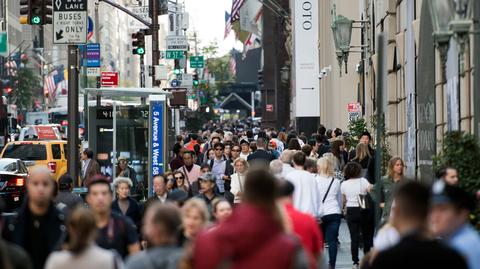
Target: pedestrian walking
[[304, 225], [450, 220], [235, 152], [190, 170], [254, 234], [221, 168], [338, 151], [261, 156], [367, 161], [160, 191], [415, 249], [305, 197], [38, 226], [222, 209], [238, 179], [328, 187], [390, 183], [11, 255], [81, 251], [65, 200], [114, 231], [90, 167], [245, 149], [357, 208], [287, 159], [207, 190], [124, 170], [177, 162], [448, 174], [181, 183], [195, 218], [124, 204], [161, 223]]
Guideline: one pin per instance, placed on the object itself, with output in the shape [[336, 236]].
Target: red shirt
[[306, 228]]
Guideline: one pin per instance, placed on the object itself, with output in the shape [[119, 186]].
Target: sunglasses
[[178, 178], [236, 150], [219, 149]]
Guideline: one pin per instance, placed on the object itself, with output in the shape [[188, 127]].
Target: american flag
[[237, 4], [228, 24], [233, 65], [50, 87]]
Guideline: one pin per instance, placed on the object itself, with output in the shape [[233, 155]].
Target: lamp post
[[342, 35]]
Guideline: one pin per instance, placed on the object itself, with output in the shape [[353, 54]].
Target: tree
[[27, 88]]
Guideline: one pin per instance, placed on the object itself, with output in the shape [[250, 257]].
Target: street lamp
[[342, 35], [450, 18]]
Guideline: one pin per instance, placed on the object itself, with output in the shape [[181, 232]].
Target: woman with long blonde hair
[[390, 183], [367, 162]]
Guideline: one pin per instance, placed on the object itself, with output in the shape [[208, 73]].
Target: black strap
[[329, 186]]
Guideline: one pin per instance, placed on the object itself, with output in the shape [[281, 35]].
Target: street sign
[[93, 71], [157, 129], [175, 54], [175, 83], [90, 54], [3, 44], [142, 12], [354, 111], [197, 62], [269, 107], [109, 79], [187, 80], [70, 21], [175, 42], [161, 72]]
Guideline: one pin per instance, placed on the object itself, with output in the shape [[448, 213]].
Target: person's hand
[[382, 205], [226, 178]]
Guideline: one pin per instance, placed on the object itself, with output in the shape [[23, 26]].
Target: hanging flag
[[250, 14], [252, 42], [233, 65], [237, 4], [59, 75], [50, 87], [228, 24]]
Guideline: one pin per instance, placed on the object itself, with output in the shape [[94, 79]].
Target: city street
[[212, 134]]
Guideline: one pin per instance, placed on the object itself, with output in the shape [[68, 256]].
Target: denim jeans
[[330, 227]]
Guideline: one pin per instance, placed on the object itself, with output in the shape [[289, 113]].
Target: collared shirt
[[163, 198], [218, 169], [244, 156], [466, 241]]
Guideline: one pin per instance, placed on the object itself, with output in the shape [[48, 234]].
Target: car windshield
[[26, 152], [8, 165]]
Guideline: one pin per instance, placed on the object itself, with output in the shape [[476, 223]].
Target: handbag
[[363, 201]]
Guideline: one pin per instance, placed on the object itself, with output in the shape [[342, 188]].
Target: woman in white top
[[354, 189], [238, 179], [330, 208], [81, 251]]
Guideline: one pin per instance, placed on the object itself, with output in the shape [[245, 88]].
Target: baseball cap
[[244, 141], [443, 193], [207, 176]]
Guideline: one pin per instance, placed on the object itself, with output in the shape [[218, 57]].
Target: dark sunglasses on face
[[178, 178], [219, 149]]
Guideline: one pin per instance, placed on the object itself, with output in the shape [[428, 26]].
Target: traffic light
[[195, 80], [162, 7], [138, 43], [260, 78], [36, 12]]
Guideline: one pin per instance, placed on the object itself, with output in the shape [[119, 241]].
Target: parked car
[[50, 154], [13, 176]]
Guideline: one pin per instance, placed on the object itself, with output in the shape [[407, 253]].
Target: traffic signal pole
[[155, 47], [73, 119]]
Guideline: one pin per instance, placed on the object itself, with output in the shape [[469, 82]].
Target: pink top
[[193, 175]]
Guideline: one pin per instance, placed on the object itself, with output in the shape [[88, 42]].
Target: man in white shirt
[[286, 158], [160, 188], [305, 197]]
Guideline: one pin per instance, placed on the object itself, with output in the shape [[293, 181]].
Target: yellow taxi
[[50, 154]]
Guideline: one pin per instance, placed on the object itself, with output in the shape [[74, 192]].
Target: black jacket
[[134, 211], [18, 229], [260, 155]]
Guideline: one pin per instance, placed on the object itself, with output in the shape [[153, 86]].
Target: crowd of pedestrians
[[244, 199]]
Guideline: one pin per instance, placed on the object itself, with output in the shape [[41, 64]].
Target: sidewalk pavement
[[344, 258]]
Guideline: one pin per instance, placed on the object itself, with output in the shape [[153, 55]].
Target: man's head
[[205, 168], [161, 224], [411, 207], [321, 140], [322, 130], [299, 159], [207, 182], [193, 137], [99, 196], [218, 148], [311, 165], [188, 158], [86, 154], [160, 185], [215, 140], [287, 156], [448, 174], [65, 183], [245, 145], [40, 186], [365, 137], [236, 152], [451, 207], [285, 191], [276, 167], [260, 188], [261, 143]]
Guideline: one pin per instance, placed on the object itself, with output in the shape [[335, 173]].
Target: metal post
[[143, 100], [97, 38], [114, 151], [380, 117], [476, 73], [155, 49], [73, 154]]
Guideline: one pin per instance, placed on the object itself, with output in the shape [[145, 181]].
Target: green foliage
[[355, 128], [386, 152], [27, 88], [462, 151]]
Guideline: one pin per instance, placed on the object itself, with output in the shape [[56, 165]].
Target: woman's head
[[241, 165], [352, 170], [362, 151], [236, 152], [82, 229], [293, 144], [337, 147], [325, 167], [222, 209], [122, 187], [211, 154], [179, 179], [395, 167], [194, 216]]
